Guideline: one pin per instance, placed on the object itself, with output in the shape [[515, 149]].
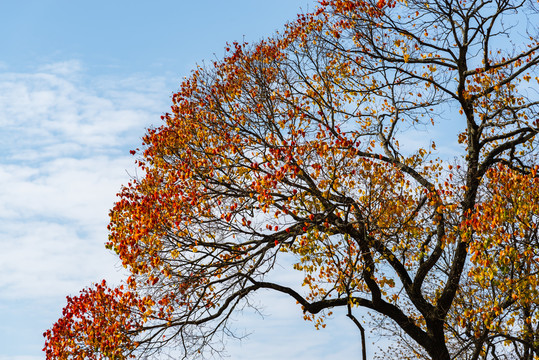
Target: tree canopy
[[329, 143]]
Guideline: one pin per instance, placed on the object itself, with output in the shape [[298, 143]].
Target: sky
[[79, 84]]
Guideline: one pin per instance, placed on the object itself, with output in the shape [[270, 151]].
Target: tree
[[301, 146]]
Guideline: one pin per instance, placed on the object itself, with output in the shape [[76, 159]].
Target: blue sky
[[79, 83]]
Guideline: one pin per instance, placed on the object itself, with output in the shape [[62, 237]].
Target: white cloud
[[64, 68], [46, 115], [65, 154], [65, 145]]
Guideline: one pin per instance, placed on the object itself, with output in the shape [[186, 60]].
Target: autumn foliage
[[96, 324], [326, 144]]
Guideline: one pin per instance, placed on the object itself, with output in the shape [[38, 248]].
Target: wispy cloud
[[65, 144]]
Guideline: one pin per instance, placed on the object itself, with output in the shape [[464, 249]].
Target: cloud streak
[[65, 145]]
